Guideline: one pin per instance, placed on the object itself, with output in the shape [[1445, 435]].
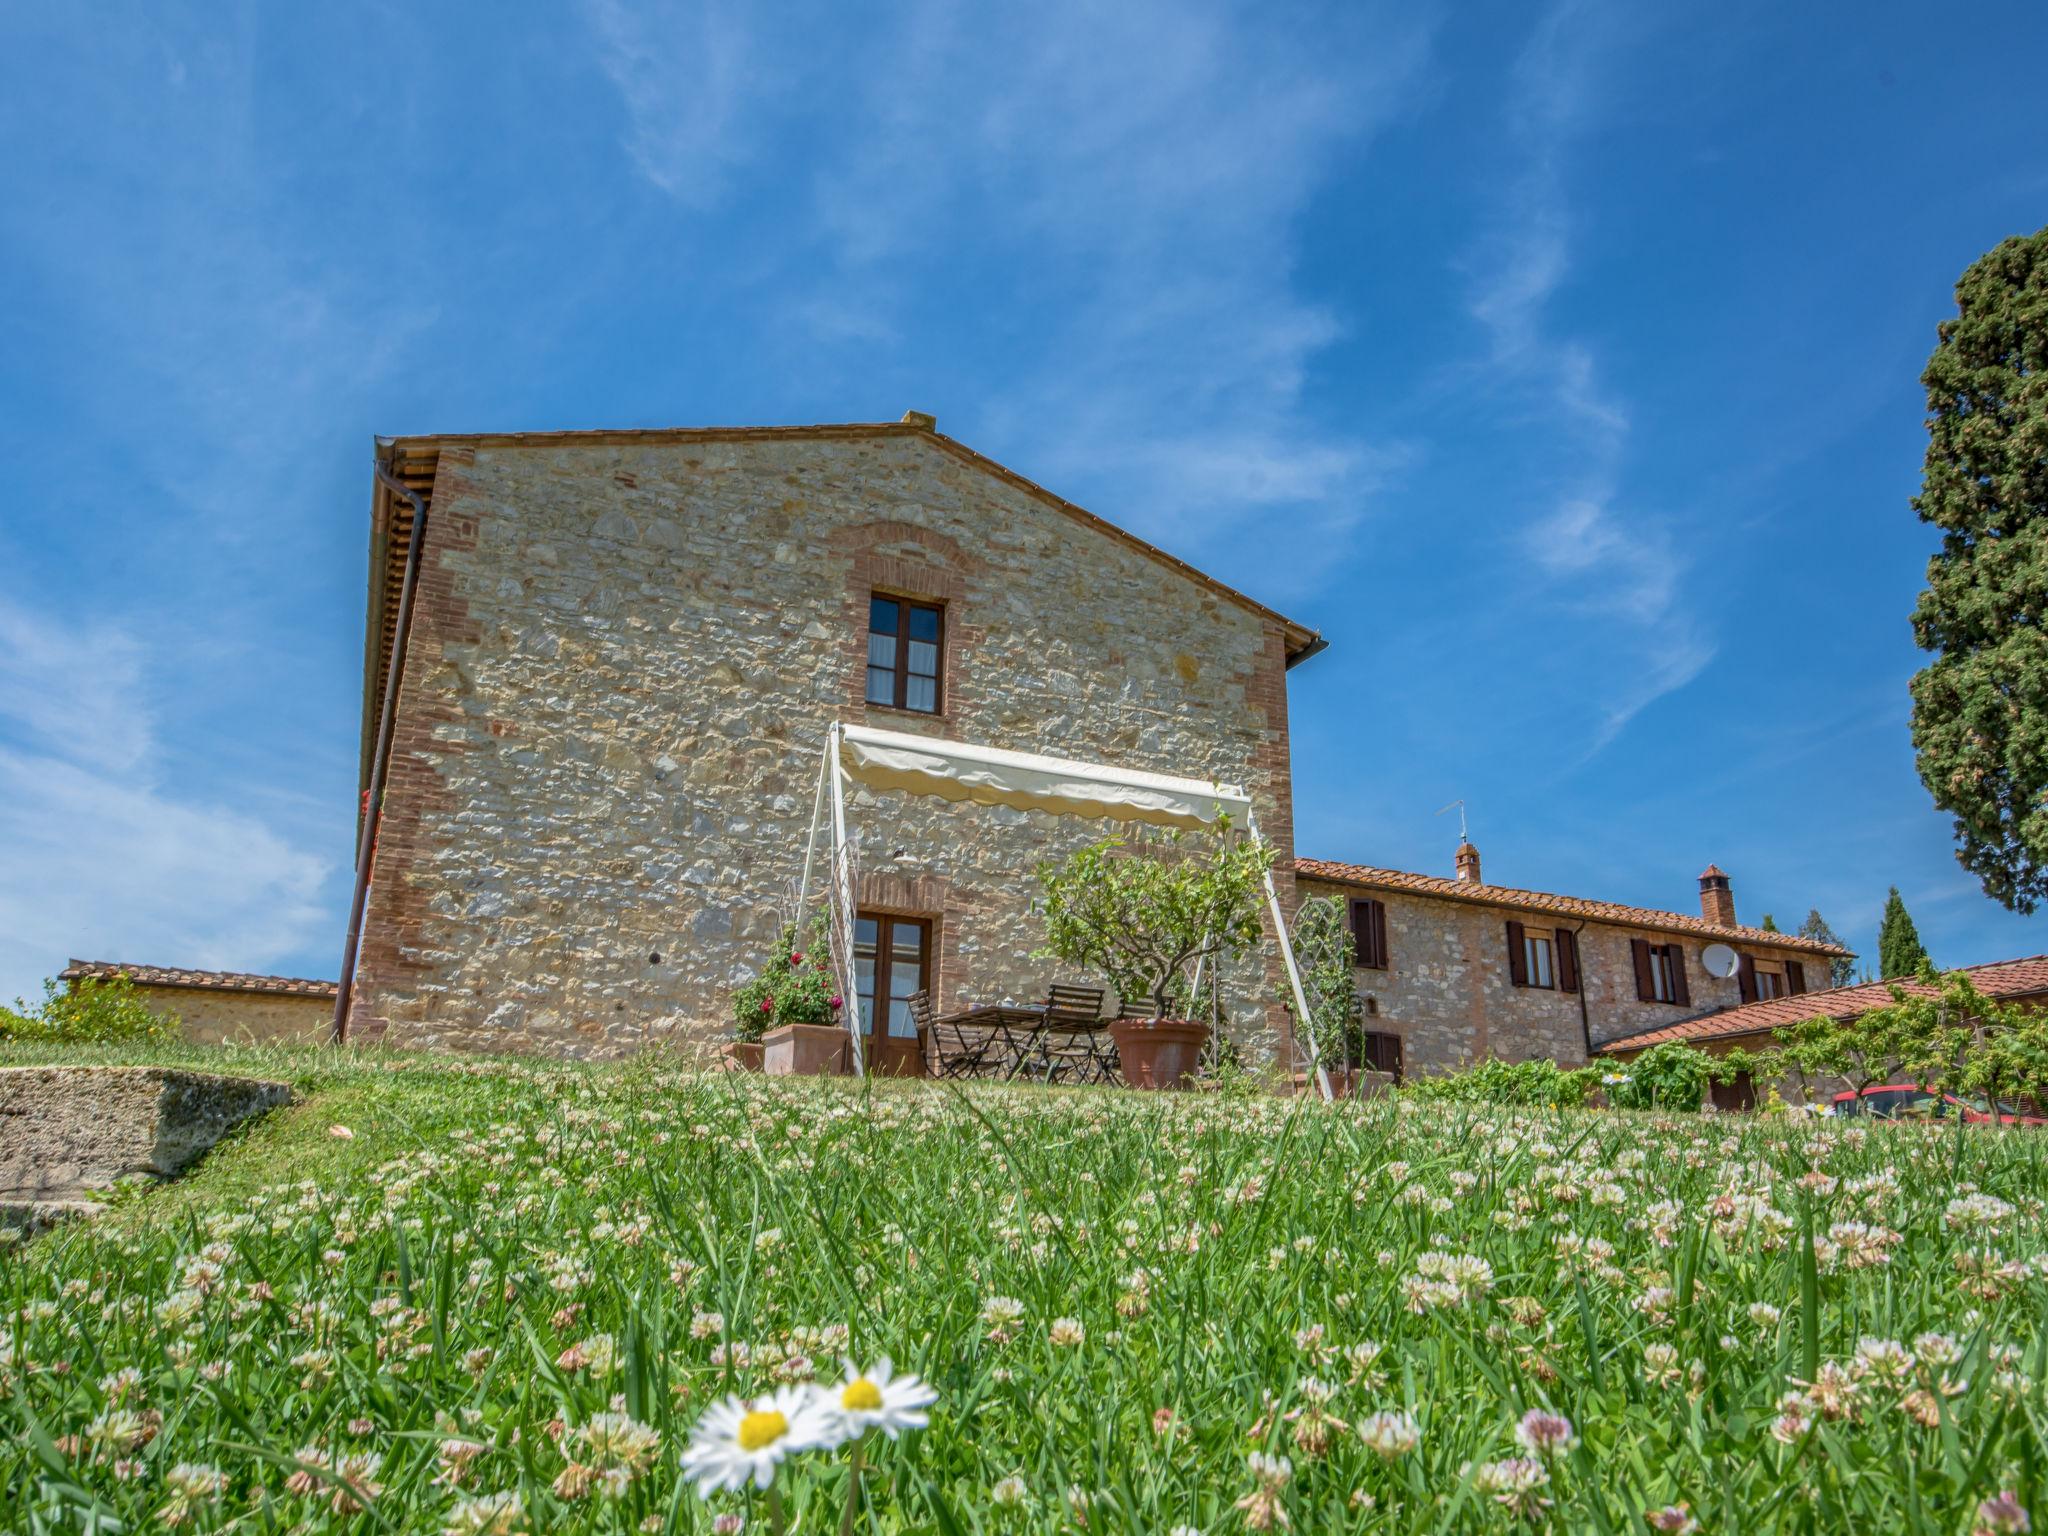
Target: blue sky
[[1559, 363]]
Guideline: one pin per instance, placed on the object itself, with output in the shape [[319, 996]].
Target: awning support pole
[[842, 886], [803, 895], [1301, 1012]]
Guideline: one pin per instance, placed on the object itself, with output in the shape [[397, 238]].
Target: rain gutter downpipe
[[1579, 964], [373, 797]]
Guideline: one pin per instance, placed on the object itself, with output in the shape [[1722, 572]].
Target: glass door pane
[[906, 973], [865, 938]]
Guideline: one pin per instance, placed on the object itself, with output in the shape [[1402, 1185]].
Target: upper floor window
[[1369, 933], [1660, 972], [1760, 979], [905, 642], [1543, 957]]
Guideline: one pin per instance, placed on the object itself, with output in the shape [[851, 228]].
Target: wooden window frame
[[1779, 984], [885, 925], [1378, 1046], [899, 699], [1676, 991], [1369, 934]]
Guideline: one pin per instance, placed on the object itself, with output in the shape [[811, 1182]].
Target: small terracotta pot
[[744, 1055], [1158, 1053]]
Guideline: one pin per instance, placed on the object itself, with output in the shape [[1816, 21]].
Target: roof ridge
[[1772, 1012], [186, 976], [1379, 876]]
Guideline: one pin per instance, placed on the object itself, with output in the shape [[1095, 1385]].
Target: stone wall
[[624, 662], [69, 1133], [215, 1016], [1446, 990]]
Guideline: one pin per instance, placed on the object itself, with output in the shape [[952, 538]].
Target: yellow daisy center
[[861, 1396], [759, 1429]]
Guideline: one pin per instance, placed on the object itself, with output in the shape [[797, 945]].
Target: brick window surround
[[904, 561]]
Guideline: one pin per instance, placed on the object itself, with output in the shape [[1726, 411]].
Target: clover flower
[[1516, 1484], [1262, 1507], [494, 1514], [1389, 1435], [1545, 1434]]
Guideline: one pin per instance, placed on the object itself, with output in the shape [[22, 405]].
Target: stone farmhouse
[[1452, 970], [624, 654], [623, 658]]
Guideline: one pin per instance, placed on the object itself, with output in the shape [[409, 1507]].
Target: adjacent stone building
[[1453, 970], [224, 1007], [1753, 1025], [625, 654]]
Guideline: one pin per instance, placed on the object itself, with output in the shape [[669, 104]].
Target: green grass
[[308, 1298]]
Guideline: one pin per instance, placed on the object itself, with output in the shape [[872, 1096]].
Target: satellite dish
[[1720, 960]]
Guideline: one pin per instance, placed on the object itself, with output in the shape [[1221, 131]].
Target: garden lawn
[[505, 1297]]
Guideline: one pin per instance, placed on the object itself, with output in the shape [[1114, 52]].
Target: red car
[[1908, 1101]]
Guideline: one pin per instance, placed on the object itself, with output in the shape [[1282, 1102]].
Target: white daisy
[[737, 1440], [877, 1399]]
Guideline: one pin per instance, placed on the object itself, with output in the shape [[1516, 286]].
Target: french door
[[892, 962]]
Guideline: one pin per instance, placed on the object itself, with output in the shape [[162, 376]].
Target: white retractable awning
[[958, 770]]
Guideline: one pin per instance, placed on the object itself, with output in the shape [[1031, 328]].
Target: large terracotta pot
[[806, 1050], [743, 1055], [1159, 1053]]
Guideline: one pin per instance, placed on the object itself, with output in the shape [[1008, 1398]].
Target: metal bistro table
[[1029, 1044]]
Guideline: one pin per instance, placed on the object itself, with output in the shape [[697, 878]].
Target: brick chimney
[[1717, 902], [1468, 864]]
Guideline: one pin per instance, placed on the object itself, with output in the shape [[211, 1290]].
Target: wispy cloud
[[683, 73], [1607, 560], [106, 860], [1131, 179]]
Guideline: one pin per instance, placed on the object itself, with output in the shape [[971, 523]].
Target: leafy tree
[[1141, 916], [91, 1011], [1980, 708], [1899, 950], [1769, 924], [1841, 968]]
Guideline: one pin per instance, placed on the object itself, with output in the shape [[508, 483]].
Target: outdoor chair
[[1074, 1044], [949, 1050]]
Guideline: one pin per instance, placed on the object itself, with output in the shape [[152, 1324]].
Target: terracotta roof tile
[[2001, 978], [211, 981], [1543, 901]]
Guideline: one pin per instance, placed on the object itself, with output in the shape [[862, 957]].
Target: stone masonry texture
[[1446, 989], [624, 661], [68, 1132], [209, 1016]]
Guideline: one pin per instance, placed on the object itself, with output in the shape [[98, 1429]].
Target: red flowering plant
[[794, 987]]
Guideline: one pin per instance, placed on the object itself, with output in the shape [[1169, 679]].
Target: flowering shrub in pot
[[795, 986], [1143, 915]]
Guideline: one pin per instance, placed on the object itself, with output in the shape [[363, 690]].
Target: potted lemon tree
[[1143, 916]]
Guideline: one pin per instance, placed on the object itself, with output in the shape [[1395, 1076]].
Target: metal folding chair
[[961, 1055]]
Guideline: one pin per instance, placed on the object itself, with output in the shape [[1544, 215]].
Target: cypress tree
[[1899, 950], [1980, 708], [1841, 968]]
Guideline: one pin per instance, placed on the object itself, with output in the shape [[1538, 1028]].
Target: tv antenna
[[1459, 806]]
